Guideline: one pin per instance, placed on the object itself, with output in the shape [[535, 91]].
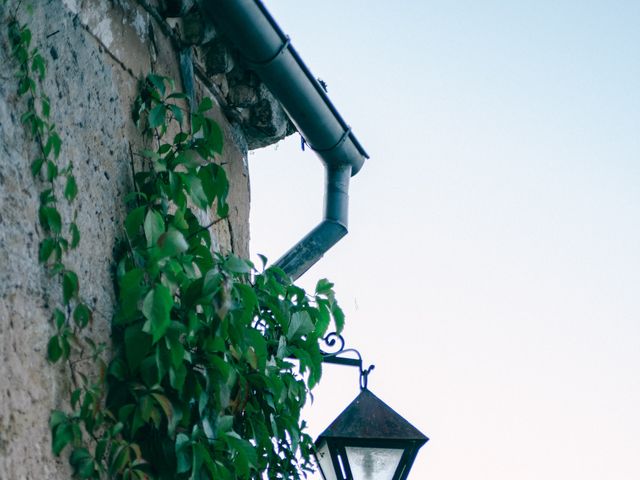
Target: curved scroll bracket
[[335, 342]]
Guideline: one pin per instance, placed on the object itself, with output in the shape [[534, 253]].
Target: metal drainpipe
[[310, 249], [268, 51]]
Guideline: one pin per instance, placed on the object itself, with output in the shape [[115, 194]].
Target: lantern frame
[[370, 423], [342, 469], [367, 422]]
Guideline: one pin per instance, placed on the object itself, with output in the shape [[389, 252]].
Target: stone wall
[[97, 51]]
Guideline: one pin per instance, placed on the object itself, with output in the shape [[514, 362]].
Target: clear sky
[[492, 269]]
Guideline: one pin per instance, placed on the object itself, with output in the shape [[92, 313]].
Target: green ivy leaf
[[157, 115], [182, 453], [258, 347], [246, 455], [101, 448], [247, 304], [196, 123], [75, 397], [179, 221], [165, 405], [54, 349], [338, 317], [75, 235], [53, 144], [71, 189], [135, 196], [47, 247], [177, 376], [164, 148], [50, 219], [237, 265], [215, 137], [27, 117], [37, 64], [52, 171], [120, 458], [215, 184], [56, 269], [24, 85], [153, 227], [156, 309], [25, 36], [58, 318], [69, 286], [205, 104], [190, 158], [300, 325], [45, 106], [137, 344], [315, 365], [57, 417], [134, 221], [47, 196], [36, 166], [151, 154], [177, 113], [61, 437], [180, 138], [322, 321], [82, 462], [20, 52], [132, 289], [158, 81], [172, 243], [81, 315], [195, 190], [324, 287]]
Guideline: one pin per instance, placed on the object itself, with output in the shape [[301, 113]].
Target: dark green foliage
[[212, 359]]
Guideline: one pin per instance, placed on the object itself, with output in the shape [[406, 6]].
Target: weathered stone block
[[217, 57]]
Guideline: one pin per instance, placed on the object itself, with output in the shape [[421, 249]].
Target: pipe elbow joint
[[311, 248]]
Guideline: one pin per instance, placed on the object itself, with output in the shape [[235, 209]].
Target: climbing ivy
[[55, 174], [212, 358]]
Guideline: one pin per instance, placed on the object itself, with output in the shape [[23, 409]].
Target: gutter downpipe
[[268, 51]]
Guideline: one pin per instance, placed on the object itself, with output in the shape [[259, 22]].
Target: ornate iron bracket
[[336, 343]]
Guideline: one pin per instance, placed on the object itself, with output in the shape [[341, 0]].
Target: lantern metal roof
[[368, 417], [368, 440]]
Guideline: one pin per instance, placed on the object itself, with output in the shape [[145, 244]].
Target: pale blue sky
[[492, 270]]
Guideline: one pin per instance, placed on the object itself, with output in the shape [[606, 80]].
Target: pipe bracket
[[266, 63], [343, 139]]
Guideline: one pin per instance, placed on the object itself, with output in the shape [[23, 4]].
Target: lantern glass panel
[[373, 463], [323, 456]]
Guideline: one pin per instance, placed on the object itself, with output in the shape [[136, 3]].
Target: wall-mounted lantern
[[368, 440]]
